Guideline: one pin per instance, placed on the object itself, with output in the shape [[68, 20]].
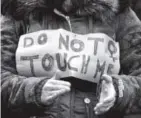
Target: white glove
[[54, 88], [107, 96]]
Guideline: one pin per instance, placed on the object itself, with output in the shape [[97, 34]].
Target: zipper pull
[[68, 20]]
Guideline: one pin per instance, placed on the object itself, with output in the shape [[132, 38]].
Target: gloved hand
[[107, 95], [54, 88]]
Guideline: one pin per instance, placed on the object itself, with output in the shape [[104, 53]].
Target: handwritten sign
[[85, 57]]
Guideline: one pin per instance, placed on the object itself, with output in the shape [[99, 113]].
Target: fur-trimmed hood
[[103, 9]]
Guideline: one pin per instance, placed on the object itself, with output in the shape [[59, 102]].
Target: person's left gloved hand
[[107, 96]]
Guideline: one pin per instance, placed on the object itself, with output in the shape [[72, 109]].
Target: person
[[119, 95]]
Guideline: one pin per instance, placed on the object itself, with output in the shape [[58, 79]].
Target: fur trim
[[21, 8], [104, 10], [101, 9]]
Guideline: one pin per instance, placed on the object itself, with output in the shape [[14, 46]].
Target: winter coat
[[20, 95]]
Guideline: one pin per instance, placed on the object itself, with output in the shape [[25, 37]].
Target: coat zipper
[[67, 18]]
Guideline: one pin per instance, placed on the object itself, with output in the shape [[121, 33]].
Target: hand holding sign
[[107, 96], [86, 57], [54, 88]]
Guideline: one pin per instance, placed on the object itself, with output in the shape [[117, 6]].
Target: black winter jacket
[[21, 95]]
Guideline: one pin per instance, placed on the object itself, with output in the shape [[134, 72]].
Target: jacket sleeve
[[17, 92], [128, 83]]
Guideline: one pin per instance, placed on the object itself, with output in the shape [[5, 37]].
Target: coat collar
[[101, 9]]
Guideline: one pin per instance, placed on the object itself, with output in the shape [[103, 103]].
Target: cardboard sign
[[85, 57]]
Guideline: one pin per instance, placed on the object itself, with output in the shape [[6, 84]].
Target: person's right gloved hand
[[54, 88]]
